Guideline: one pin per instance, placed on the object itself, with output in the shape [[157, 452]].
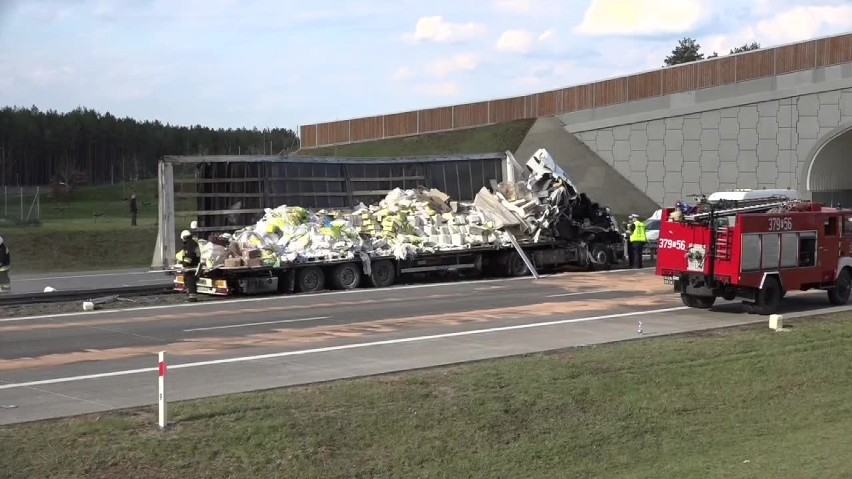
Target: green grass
[[70, 237], [739, 403], [486, 139]]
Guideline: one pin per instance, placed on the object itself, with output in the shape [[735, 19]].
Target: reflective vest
[[638, 235]]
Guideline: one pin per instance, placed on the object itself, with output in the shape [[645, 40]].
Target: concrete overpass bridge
[[772, 118]]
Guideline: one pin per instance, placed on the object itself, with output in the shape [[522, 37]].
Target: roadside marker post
[[162, 399]]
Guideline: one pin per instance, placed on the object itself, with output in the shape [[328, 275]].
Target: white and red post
[[162, 380]]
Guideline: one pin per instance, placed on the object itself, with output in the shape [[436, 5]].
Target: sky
[[283, 63]]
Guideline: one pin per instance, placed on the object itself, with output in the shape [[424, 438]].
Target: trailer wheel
[[310, 279], [699, 302], [346, 276], [600, 258], [768, 297], [515, 265], [383, 274], [839, 294]]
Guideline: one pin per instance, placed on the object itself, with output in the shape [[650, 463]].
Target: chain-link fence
[[21, 205]]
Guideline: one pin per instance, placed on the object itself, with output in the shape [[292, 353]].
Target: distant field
[[486, 139], [738, 403], [90, 230]]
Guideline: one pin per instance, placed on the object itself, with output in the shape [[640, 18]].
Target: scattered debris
[[545, 206]]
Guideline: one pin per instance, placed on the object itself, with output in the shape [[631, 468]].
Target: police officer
[[638, 239], [189, 257], [5, 265]]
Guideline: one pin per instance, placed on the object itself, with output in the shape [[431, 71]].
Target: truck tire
[[310, 279], [699, 302], [601, 259], [515, 265], [346, 276], [382, 274], [769, 297], [839, 294]]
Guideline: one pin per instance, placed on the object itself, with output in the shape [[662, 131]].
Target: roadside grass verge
[[88, 230], [736, 403], [487, 139]]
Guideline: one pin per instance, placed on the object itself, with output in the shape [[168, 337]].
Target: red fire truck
[[755, 250]]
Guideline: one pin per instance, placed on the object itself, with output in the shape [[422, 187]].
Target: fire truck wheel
[[310, 279], [839, 294], [700, 302], [346, 276], [768, 297]]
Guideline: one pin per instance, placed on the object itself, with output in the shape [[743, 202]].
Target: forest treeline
[[84, 146]]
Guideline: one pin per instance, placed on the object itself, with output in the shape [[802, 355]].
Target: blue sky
[[265, 63]]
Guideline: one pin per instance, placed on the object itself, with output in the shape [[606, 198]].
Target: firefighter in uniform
[[637, 241], [5, 265], [189, 258]]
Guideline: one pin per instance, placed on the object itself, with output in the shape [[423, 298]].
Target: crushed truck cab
[[756, 250]]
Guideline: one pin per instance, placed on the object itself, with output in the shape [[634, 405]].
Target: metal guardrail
[[23, 299]]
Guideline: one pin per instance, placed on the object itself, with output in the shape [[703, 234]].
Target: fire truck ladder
[[762, 206]]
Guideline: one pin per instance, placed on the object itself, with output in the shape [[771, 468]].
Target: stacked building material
[[546, 205]]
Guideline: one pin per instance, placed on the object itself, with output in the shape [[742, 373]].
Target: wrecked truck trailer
[[515, 227]]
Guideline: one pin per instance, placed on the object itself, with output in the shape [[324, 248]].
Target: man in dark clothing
[[133, 209], [190, 258], [5, 265]]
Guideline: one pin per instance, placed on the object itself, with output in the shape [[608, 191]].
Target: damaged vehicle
[[515, 228]]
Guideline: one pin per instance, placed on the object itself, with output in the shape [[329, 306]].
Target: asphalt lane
[[74, 363], [37, 282]]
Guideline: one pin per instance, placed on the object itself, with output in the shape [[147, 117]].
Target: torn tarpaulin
[[544, 206]]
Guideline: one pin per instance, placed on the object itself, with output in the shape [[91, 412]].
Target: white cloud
[[640, 17], [793, 25], [546, 36], [521, 41], [446, 66], [402, 74], [436, 29], [515, 41], [443, 89], [801, 23]]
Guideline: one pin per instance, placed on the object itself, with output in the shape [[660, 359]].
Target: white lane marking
[[296, 297], [282, 321], [302, 352], [580, 293]]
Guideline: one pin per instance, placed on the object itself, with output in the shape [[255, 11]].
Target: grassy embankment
[[89, 230], [71, 238], [739, 403]]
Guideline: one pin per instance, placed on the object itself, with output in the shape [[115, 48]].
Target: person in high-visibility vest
[[638, 239], [5, 266]]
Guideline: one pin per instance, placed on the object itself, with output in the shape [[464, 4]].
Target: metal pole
[[163, 420], [21, 190]]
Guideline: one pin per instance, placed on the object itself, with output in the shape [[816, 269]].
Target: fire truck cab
[[755, 249]]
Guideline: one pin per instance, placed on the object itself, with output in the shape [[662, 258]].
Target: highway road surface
[[73, 363], [35, 283]]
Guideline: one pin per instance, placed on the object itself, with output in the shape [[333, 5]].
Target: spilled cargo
[[507, 230]]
